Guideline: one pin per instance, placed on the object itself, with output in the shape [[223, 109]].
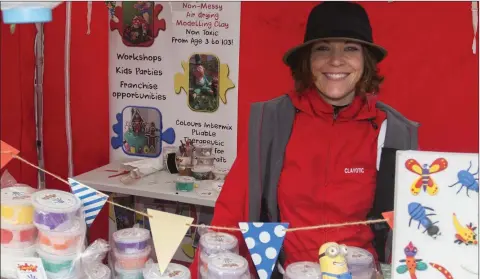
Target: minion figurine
[[333, 263]]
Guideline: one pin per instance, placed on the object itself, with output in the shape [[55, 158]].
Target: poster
[[173, 75], [436, 216]]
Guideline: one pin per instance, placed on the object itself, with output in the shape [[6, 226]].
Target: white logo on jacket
[[381, 141], [354, 170]]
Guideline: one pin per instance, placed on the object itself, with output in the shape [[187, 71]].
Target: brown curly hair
[[368, 83]]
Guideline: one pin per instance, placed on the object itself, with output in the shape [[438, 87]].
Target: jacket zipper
[[336, 110]]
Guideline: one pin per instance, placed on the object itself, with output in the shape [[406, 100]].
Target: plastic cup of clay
[[16, 205], [220, 173], [59, 266], [213, 243], [185, 184], [132, 261], [227, 265], [17, 236], [201, 172], [360, 263], [131, 240], [303, 270], [8, 258], [128, 273], [203, 150], [173, 270], [55, 210], [63, 242]]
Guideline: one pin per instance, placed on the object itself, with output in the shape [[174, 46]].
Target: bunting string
[[316, 227]]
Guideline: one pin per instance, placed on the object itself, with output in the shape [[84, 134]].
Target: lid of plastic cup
[[58, 258], [142, 254], [220, 170], [359, 257], [218, 241], [203, 145], [16, 227], [173, 271], [55, 201], [227, 263], [78, 228], [18, 194], [303, 270], [202, 168], [20, 252], [131, 235], [185, 179]]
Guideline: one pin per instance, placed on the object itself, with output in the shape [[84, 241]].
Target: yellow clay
[[24, 216]]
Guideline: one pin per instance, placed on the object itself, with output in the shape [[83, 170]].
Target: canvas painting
[[436, 216]]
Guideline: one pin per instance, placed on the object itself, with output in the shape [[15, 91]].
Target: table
[[160, 185]]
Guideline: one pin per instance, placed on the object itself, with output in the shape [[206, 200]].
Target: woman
[[323, 153]]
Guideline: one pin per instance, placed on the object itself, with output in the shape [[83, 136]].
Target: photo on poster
[[140, 132], [203, 83], [206, 82], [137, 22]]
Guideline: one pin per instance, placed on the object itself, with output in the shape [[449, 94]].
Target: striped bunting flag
[[92, 200]]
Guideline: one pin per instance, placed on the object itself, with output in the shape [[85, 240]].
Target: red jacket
[[328, 176]]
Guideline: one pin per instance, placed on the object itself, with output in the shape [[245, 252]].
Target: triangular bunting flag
[[6, 153], [264, 241], [168, 231], [389, 216], [92, 200]]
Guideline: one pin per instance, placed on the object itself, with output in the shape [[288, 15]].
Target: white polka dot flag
[[264, 241], [92, 200]]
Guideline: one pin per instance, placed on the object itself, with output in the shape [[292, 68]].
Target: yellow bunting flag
[[168, 231], [7, 153]]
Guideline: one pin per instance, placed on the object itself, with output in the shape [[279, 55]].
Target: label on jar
[[99, 271], [56, 199], [228, 261], [16, 193], [219, 239], [303, 270]]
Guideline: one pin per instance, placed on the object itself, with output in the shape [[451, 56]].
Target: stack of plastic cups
[[61, 233], [303, 270], [204, 162], [227, 265], [213, 243], [361, 263], [18, 234], [174, 271], [131, 251]]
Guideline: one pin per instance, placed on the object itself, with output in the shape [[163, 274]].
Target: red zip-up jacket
[[328, 176]]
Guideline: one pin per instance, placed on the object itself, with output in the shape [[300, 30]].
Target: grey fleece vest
[[270, 127]]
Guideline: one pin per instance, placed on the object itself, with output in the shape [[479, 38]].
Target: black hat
[[337, 20]]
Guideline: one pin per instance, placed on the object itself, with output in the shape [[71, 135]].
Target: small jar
[[213, 243], [185, 184], [131, 240], [55, 210], [227, 265], [202, 172], [360, 263], [16, 205], [203, 150], [220, 173]]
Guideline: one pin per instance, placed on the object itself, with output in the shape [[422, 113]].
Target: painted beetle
[[467, 180]]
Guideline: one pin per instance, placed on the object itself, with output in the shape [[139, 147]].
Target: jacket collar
[[311, 103]]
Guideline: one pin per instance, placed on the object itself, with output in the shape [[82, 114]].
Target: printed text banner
[[174, 75]]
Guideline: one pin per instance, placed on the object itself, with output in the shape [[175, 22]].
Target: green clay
[[56, 267]]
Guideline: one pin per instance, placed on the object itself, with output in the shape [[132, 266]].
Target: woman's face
[[337, 66]]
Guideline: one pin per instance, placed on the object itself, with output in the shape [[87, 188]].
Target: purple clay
[[51, 220], [130, 246]]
